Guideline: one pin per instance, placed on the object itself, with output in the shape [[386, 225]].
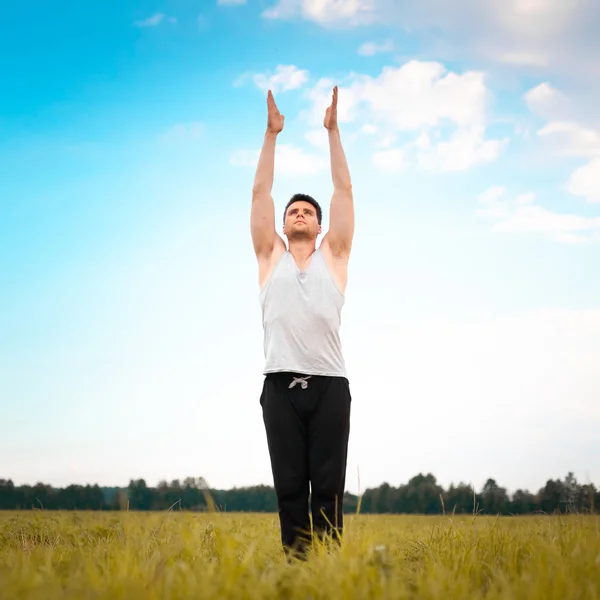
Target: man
[[306, 396]]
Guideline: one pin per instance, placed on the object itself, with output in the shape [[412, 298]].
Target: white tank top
[[301, 312]]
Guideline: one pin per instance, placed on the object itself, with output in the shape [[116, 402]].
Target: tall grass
[[176, 554]]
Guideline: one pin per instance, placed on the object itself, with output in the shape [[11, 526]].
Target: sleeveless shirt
[[301, 314]]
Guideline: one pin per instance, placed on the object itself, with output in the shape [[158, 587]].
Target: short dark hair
[[304, 198]]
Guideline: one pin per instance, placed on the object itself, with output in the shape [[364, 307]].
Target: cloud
[[372, 48], [390, 161], [549, 103], [466, 148], [184, 132], [524, 199], [318, 138], [569, 138], [416, 94], [557, 36], [155, 20], [572, 139], [290, 161], [421, 101], [325, 12], [490, 200], [524, 59], [521, 215], [585, 181], [540, 95], [285, 78]]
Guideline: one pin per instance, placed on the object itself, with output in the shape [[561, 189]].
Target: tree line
[[421, 495]]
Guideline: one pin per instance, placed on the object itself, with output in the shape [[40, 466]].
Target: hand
[[330, 122], [275, 118]]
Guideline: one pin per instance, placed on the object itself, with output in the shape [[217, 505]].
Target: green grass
[[217, 555]]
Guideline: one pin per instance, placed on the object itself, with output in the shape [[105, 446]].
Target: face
[[301, 221]]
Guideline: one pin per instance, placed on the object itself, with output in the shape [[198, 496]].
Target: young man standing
[[306, 395]]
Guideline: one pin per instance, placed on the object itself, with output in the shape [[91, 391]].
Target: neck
[[301, 250]]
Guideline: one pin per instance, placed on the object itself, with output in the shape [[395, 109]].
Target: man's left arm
[[341, 229]]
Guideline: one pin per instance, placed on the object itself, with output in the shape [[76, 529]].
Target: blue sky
[[130, 339]]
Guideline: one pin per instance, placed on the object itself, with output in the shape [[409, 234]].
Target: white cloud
[[569, 138], [562, 227], [556, 36], [544, 99], [368, 129], [155, 20], [387, 141], [372, 48], [521, 215], [184, 132], [414, 95], [524, 199], [324, 12], [572, 139], [466, 148], [390, 161], [417, 97], [524, 59], [492, 195], [490, 200], [284, 9], [284, 79], [585, 181], [318, 138], [290, 161]]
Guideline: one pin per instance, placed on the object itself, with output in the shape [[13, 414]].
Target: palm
[[275, 118], [330, 121]]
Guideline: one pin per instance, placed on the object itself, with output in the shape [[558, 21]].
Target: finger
[[271, 100]]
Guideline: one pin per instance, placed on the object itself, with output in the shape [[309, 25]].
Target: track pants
[[307, 422]]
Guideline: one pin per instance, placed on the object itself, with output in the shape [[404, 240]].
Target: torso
[[338, 266], [301, 305]]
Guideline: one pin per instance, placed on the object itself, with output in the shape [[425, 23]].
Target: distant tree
[[459, 499], [523, 502], [551, 496], [494, 499], [140, 496], [421, 494], [570, 493], [587, 498]]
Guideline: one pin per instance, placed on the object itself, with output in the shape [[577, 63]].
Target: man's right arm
[[262, 220]]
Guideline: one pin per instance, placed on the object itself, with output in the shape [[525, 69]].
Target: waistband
[[293, 375]]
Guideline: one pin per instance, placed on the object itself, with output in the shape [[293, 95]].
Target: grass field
[[218, 555]]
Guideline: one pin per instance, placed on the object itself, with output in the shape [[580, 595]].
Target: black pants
[[307, 428]]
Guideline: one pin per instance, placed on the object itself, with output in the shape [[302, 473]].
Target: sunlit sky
[[130, 327]]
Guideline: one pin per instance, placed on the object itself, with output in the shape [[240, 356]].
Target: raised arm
[[341, 228], [262, 216]]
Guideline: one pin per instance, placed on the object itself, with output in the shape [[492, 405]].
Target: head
[[302, 218]]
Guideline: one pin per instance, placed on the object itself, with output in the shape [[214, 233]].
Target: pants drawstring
[[301, 380]]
